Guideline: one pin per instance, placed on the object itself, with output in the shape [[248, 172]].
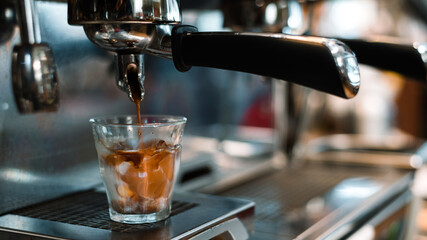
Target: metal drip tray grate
[[284, 198], [286, 190], [88, 209]]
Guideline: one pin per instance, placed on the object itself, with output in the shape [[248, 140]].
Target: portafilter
[[134, 27]]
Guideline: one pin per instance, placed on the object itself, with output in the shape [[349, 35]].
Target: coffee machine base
[[85, 216]]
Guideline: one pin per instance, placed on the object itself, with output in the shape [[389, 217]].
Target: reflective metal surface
[[131, 27], [399, 151], [132, 37], [316, 201], [35, 83], [86, 217], [45, 155], [143, 26], [99, 11], [422, 49], [48, 155], [312, 202], [348, 67], [130, 41], [133, 65]]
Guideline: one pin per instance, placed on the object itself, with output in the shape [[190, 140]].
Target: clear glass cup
[[138, 164]]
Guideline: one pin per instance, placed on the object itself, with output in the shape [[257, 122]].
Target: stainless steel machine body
[[48, 159], [42, 154], [222, 217], [45, 155], [49, 155], [307, 203]]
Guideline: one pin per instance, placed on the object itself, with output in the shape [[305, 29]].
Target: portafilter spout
[[133, 27], [130, 28], [130, 75]]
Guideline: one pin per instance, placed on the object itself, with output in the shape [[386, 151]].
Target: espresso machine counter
[[49, 177]]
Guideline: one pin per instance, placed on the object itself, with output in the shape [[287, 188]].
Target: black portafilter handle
[[408, 60], [319, 63]]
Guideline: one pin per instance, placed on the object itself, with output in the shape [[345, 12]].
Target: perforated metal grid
[[88, 209], [281, 197]]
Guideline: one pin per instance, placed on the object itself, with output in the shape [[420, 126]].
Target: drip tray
[[89, 209], [85, 216]]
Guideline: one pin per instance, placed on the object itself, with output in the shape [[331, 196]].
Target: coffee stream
[[140, 180], [135, 89]]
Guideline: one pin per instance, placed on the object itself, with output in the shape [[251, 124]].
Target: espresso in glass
[[139, 159]]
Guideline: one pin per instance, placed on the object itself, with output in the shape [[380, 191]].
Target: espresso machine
[[59, 71]]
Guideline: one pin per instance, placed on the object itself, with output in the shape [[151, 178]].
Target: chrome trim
[[132, 38], [129, 63], [346, 221], [99, 11], [31, 234], [34, 77], [421, 47], [345, 59], [230, 214], [217, 210], [347, 66]]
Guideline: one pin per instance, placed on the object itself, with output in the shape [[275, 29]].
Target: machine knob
[[34, 78]]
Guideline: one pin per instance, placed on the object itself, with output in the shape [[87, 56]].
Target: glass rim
[[104, 120]]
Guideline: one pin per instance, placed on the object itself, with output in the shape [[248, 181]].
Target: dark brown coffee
[[142, 178]]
